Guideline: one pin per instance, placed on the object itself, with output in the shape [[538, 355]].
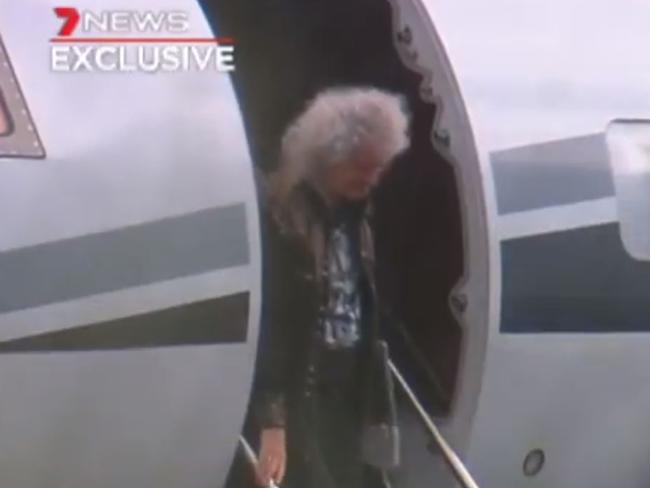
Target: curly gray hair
[[336, 123]]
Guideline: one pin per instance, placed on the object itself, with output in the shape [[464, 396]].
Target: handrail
[[415, 353], [252, 458], [458, 468]]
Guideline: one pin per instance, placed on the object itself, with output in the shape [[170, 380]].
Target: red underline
[[144, 40]]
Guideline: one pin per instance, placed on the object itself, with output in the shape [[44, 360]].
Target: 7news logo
[[132, 41]]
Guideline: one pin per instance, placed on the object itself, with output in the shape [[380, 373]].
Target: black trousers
[[324, 449]]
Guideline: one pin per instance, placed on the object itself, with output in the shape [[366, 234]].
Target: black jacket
[[293, 280]]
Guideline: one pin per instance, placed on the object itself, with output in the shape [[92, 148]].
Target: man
[[312, 391]]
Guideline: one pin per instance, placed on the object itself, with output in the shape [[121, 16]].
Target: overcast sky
[[541, 69]]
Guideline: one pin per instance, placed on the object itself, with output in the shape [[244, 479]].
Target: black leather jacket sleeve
[[269, 398]]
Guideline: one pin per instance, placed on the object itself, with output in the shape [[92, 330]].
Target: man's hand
[[273, 457]]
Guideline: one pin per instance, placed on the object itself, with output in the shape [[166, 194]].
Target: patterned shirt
[[340, 320]]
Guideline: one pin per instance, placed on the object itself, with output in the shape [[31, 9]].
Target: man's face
[[352, 179]]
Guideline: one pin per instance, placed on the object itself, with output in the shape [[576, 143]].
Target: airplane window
[[629, 147], [18, 135]]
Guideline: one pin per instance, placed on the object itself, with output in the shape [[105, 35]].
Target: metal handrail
[[252, 458], [458, 468]]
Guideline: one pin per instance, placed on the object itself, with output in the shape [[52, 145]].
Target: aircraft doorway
[[288, 50]]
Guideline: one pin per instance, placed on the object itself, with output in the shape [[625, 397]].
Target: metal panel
[[18, 135], [532, 72], [122, 258], [214, 321], [574, 281], [552, 173], [130, 160]]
